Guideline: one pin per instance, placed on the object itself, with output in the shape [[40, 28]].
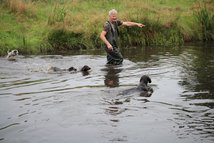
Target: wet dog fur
[[85, 68], [146, 90], [143, 87]]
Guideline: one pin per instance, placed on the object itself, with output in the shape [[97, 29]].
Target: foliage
[[154, 33], [35, 26], [206, 22], [64, 40]]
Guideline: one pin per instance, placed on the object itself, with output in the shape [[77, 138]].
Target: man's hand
[[110, 47], [133, 24], [140, 25], [103, 38]]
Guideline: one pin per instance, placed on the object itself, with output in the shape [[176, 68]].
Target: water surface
[[38, 106]]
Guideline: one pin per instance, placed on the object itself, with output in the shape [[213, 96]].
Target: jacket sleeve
[[106, 27]]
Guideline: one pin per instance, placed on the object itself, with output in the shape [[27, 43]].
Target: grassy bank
[[42, 26]]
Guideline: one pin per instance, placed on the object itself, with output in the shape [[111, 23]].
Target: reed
[[206, 23], [153, 34], [57, 15]]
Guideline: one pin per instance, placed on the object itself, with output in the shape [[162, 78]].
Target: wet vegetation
[[41, 26], [206, 22]]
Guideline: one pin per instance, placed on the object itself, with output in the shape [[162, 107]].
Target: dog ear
[[146, 79], [149, 79]]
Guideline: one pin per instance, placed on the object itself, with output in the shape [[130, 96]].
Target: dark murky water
[[40, 107]]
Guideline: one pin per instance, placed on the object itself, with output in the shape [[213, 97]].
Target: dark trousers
[[114, 56]]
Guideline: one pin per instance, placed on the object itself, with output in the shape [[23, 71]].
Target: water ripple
[[5, 127]]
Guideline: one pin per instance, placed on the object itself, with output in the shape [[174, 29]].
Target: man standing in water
[[110, 34]]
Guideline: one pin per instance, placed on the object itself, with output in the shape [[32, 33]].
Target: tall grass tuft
[[206, 22], [57, 15], [154, 33]]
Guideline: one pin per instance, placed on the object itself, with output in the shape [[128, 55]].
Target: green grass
[[41, 26]]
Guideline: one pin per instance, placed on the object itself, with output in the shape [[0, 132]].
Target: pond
[[37, 106]]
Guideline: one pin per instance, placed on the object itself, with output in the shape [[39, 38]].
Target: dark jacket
[[112, 32]]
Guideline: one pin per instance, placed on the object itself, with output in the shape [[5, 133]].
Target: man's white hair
[[113, 11]]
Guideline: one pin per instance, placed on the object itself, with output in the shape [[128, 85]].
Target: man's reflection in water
[[112, 76]]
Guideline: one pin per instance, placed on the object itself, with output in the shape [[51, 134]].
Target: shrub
[[65, 40]]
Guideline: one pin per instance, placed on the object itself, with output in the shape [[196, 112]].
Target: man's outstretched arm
[[128, 23]]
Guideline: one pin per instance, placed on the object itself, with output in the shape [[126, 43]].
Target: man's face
[[113, 17]]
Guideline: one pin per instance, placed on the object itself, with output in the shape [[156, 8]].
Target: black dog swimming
[[143, 89], [56, 69], [84, 69]]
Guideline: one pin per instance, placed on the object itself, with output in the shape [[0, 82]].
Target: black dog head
[[85, 68], [146, 91], [145, 79]]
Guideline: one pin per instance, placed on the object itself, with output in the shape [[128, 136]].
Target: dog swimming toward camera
[[143, 89], [12, 54]]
